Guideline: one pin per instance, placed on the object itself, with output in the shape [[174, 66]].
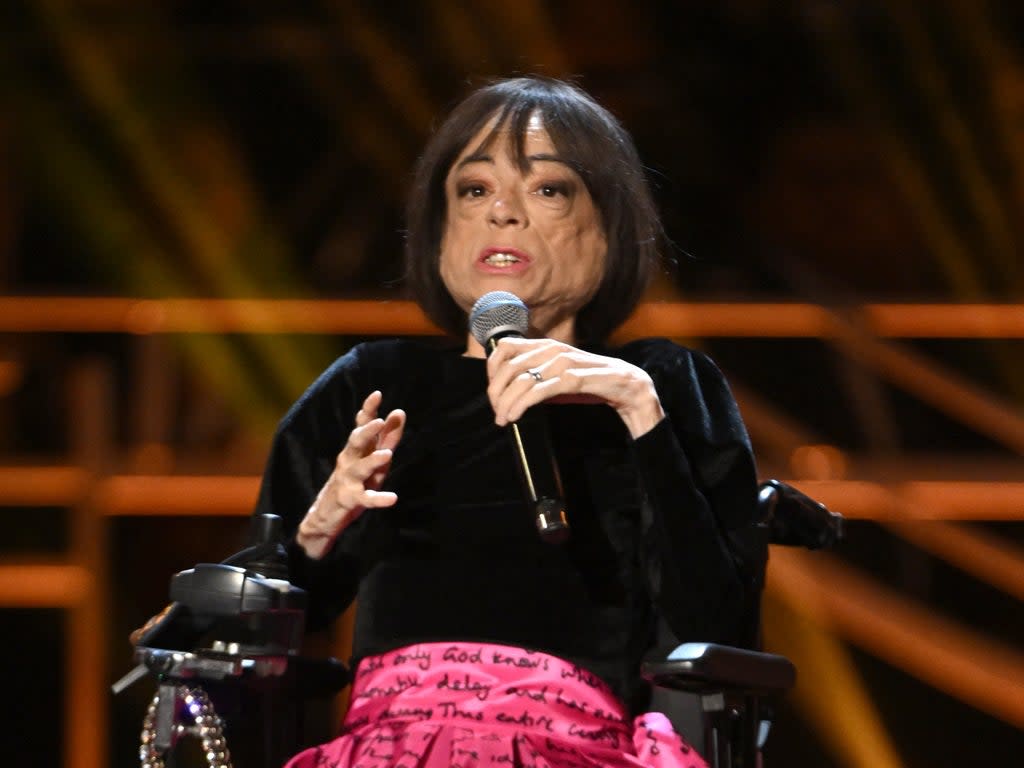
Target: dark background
[[836, 153]]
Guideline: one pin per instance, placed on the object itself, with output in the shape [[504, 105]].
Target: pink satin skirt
[[437, 705]]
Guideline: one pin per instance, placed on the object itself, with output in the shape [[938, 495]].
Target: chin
[[504, 284]]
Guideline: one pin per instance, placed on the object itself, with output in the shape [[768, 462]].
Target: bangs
[[511, 123]]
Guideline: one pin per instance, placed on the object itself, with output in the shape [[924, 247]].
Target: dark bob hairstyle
[[592, 142]]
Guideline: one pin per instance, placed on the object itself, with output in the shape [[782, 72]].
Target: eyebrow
[[484, 157]]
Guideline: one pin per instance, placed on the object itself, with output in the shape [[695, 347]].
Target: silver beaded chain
[[207, 725]]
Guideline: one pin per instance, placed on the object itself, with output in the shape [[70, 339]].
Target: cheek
[[452, 275], [596, 265], [592, 254], [454, 236], [449, 245], [445, 266]]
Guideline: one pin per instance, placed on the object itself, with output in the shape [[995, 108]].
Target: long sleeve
[[301, 459], [699, 480]]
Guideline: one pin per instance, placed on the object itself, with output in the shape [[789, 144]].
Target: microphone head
[[498, 312]]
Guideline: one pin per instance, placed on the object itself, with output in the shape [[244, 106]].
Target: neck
[[473, 348]]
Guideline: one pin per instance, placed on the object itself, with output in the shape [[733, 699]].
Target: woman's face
[[536, 234]]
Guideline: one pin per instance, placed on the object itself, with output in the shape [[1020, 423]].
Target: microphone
[[494, 316]]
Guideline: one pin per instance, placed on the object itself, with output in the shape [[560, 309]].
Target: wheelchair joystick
[[232, 636]]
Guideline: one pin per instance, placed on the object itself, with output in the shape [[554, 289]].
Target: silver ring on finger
[[536, 374]]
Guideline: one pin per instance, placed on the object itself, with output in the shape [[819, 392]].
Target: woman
[[475, 641]]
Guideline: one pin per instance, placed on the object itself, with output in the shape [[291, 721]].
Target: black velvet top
[[655, 522]]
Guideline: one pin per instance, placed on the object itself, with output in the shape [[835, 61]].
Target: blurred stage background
[[196, 197]]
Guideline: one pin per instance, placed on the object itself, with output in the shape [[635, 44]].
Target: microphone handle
[[539, 474], [537, 467]]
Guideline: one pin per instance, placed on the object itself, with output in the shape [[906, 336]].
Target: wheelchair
[[243, 622], [717, 694]]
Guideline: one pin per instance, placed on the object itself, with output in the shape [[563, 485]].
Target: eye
[[471, 189], [554, 190]]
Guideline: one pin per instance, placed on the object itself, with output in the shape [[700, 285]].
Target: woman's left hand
[[524, 372]]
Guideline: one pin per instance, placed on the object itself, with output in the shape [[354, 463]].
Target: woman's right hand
[[355, 482]]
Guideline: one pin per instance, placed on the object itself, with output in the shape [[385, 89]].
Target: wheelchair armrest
[[705, 668]]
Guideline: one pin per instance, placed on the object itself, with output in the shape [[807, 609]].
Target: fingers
[[353, 498], [387, 435], [368, 411], [394, 427], [379, 499], [361, 470], [514, 356], [509, 367], [361, 442], [363, 463], [342, 500], [526, 391], [525, 372], [354, 485]]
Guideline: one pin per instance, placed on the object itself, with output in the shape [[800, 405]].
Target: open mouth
[[501, 259]]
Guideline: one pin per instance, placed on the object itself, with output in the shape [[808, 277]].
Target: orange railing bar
[[920, 499], [42, 486], [44, 314], [52, 585], [170, 495], [236, 494], [952, 658]]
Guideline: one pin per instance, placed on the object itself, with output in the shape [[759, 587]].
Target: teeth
[[500, 259]]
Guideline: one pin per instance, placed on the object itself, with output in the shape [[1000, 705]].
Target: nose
[[507, 210]]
